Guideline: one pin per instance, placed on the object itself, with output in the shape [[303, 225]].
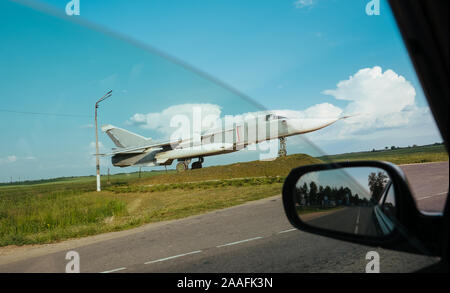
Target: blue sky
[[281, 55]]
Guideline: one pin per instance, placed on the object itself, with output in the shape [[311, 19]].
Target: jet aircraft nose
[[305, 125]]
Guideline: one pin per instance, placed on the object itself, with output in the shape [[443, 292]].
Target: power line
[[46, 114]]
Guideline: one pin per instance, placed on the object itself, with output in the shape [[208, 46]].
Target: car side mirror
[[366, 202]]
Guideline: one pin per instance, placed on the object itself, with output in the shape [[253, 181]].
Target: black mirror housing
[[413, 231]]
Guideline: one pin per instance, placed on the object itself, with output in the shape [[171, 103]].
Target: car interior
[[424, 27]]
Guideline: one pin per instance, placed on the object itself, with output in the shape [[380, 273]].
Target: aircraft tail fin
[[123, 138]]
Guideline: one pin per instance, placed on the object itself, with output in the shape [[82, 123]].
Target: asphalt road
[[253, 237], [429, 184], [353, 220]]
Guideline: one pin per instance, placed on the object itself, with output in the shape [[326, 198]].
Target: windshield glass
[[117, 115]]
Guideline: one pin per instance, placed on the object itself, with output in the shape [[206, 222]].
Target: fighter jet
[[136, 150]]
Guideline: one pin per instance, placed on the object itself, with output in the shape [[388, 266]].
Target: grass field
[[53, 211], [58, 216], [86, 179], [409, 155], [278, 167], [46, 211]]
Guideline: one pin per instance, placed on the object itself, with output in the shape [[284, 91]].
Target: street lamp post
[[107, 95]]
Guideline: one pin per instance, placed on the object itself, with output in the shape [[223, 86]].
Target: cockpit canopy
[[270, 117]]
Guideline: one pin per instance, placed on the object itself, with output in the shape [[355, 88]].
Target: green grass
[[49, 215], [278, 167], [53, 211], [86, 179], [196, 185], [32, 219], [408, 155]]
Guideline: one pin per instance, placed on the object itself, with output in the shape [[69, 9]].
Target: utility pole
[[107, 95]]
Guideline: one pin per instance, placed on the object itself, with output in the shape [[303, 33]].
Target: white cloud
[[378, 100], [164, 121], [8, 159], [381, 105], [324, 110], [14, 158], [304, 3], [11, 158], [160, 121]]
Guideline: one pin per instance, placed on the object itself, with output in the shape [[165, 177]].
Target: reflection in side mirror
[[352, 200]]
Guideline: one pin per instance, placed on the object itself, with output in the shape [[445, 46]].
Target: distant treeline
[[40, 181], [397, 147], [69, 178], [313, 195]]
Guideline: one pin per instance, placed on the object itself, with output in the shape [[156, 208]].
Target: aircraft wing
[[139, 149], [131, 143]]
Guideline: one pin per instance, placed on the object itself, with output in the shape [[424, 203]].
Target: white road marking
[[437, 194], [172, 257], [238, 242], [114, 270], [285, 231], [412, 164], [357, 221]]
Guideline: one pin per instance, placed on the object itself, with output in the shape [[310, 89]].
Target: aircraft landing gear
[[282, 152], [183, 165], [198, 164]]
